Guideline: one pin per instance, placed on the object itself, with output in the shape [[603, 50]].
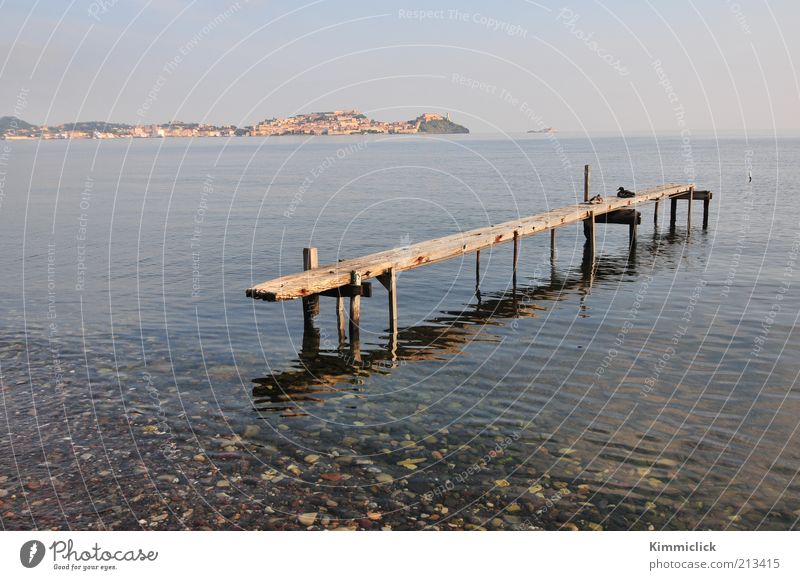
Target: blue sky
[[511, 66]]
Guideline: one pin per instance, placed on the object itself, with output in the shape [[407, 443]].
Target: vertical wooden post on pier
[[478, 275], [340, 320], [552, 245], [588, 230], [588, 262], [632, 231], [655, 215], [310, 303], [355, 315], [516, 257], [689, 211], [389, 281], [673, 212], [587, 176], [706, 202]]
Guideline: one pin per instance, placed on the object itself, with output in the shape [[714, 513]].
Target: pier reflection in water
[[323, 375]]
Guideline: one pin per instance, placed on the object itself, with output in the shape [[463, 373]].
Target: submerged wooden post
[[516, 257], [389, 281], [355, 315], [587, 175], [689, 211], [632, 232], [706, 202], [311, 338], [588, 262], [655, 215], [673, 211], [589, 232], [478, 274], [310, 303], [340, 320]]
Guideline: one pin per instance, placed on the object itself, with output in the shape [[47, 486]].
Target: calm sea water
[[141, 388]]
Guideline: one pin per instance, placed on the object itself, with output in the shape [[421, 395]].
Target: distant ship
[[545, 130]]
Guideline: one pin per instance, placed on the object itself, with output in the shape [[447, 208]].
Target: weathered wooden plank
[[432, 251]]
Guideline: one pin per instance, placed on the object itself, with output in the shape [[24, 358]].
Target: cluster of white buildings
[[337, 123]]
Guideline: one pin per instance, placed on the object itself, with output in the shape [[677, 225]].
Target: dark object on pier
[[622, 192]]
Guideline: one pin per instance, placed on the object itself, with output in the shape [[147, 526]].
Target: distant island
[[325, 123], [545, 130]]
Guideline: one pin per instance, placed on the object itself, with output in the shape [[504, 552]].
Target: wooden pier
[[348, 278]]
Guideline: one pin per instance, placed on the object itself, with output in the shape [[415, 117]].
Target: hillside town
[[345, 122], [339, 123]]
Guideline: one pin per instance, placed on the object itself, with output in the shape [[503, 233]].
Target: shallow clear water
[[141, 388]]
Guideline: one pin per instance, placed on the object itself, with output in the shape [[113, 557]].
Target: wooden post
[[478, 274], [311, 338], [516, 257], [552, 245], [590, 237], [587, 175], [588, 263], [673, 212], [389, 281], [632, 233], [689, 211], [655, 215], [355, 316], [706, 202], [340, 320], [310, 303]]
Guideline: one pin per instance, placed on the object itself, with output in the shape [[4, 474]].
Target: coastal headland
[[345, 122]]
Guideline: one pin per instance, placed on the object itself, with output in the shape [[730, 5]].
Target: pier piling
[[389, 281], [355, 312], [587, 176], [588, 230], [340, 320], [478, 274], [673, 212], [310, 303]]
